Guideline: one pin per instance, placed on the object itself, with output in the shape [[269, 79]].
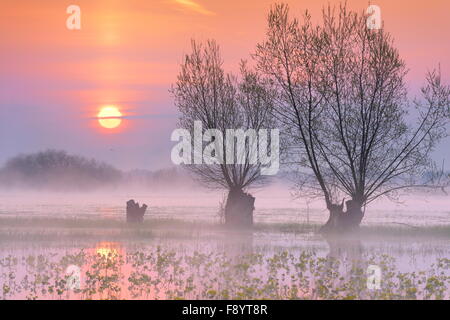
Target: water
[[58, 227], [270, 207]]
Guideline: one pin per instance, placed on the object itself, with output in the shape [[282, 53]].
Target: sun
[[109, 117]]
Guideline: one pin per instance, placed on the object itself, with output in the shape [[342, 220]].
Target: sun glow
[[109, 117], [107, 250]]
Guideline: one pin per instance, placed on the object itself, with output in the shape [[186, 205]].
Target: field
[[79, 247]]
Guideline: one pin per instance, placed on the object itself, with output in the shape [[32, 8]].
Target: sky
[[54, 81]]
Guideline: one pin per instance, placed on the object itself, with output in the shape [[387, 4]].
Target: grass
[[112, 268], [436, 231], [44, 228], [163, 273]]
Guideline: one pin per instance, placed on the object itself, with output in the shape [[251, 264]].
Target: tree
[[217, 102], [55, 169], [343, 103]]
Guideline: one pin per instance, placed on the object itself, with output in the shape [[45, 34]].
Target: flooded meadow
[[80, 247]]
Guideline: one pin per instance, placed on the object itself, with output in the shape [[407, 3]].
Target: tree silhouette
[[343, 104], [204, 92], [56, 169]]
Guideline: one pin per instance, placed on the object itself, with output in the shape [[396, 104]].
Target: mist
[[59, 171], [137, 140]]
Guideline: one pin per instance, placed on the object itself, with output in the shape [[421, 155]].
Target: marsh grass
[[163, 273], [43, 228], [175, 259]]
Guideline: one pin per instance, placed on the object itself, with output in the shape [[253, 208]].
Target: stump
[[135, 214]]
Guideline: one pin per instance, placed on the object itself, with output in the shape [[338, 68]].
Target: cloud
[[191, 5]]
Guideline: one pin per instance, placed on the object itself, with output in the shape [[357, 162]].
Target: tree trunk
[[343, 221], [239, 209], [353, 216], [333, 222]]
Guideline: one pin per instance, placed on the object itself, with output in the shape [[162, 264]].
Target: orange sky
[[54, 80]]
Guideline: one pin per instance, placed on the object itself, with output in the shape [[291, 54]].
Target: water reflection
[[108, 249], [103, 270], [344, 248], [232, 265], [236, 243]]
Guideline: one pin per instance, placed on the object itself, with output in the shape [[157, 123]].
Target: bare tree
[[344, 105], [220, 102]]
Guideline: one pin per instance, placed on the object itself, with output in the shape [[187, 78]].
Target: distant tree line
[[58, 170]]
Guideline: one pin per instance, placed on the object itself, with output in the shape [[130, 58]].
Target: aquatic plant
[[164, 273]]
